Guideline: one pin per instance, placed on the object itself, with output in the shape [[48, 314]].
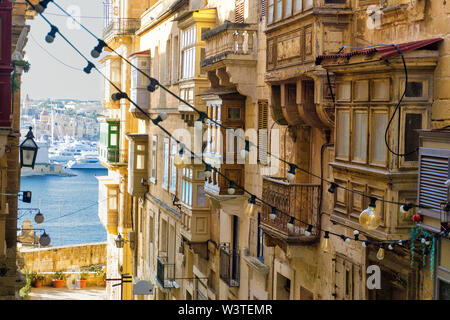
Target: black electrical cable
[[397, 108]]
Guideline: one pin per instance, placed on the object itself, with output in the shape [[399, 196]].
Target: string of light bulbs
[[208, 168], [154, 83]]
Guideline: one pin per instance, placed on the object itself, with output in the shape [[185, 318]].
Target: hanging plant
[[432, 256], [15, 82], [22, 63], [428, 247]]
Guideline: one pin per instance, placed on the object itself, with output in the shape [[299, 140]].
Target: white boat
[[85, 162], [68, 151]]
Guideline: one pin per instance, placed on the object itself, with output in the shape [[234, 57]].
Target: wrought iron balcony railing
[[299, 200], [120, 27], [229, 265], [165, 273]]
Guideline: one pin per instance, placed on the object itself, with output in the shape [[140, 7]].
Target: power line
[[52, 56]]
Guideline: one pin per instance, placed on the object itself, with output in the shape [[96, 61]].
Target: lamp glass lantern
[[120, 241], [28, 151]]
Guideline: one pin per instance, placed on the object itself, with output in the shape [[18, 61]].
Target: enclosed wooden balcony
[[299, 200]]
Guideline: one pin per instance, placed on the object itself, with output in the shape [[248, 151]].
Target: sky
[[62, 76]]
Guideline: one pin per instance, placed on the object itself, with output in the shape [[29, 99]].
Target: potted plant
[[81, 283], [37, 280], [58, 279]]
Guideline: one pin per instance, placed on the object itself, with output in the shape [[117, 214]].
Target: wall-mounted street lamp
[[120, 241], [28, 151]]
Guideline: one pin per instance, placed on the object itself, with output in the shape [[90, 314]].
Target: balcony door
[[235, 248]]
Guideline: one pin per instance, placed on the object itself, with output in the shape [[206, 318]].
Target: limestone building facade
[[304, 81]]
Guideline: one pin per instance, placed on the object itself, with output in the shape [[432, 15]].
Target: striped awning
[[385, 51]]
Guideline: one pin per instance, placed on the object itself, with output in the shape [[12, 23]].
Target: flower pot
[[37, 283], [81, 284], [58, 283]]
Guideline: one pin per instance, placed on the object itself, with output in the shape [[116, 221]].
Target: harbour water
[[69, 205]]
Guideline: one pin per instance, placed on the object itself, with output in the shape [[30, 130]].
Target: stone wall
[[63, 258]]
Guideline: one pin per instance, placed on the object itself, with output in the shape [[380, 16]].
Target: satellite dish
[[143, 287]]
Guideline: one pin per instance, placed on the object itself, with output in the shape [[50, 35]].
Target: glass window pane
[[298, 5], [166, 165], [113, 139], [288, 8], [413, 122], [378, 130], [359, 136], [308, 4], [270, 19], [140, 162], [342, 133], [279, 9]]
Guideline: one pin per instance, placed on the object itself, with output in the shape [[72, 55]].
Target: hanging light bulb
[[88, 70], [246, 151], [41, 6], [369, 219], [326, 242], [390, 246], [231, 188], [273, 213], [162, 116], [423, 240], [290, 224], [308, 230], [178, 159], [186, 161], [44, 240], [251, 207], [345, 239], [52, 34], [406, 207], [400, 242], [332, 188], [380, 254], [291, 173], [95, 53], [39, 218], [364, 244], [356, 234], [208, 171]]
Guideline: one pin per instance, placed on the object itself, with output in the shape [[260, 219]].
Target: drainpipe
[[324, 146]]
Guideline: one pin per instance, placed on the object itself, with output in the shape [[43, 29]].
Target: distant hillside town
[[54, 119]]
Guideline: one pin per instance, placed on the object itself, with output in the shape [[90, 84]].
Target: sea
[[69, 205]]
